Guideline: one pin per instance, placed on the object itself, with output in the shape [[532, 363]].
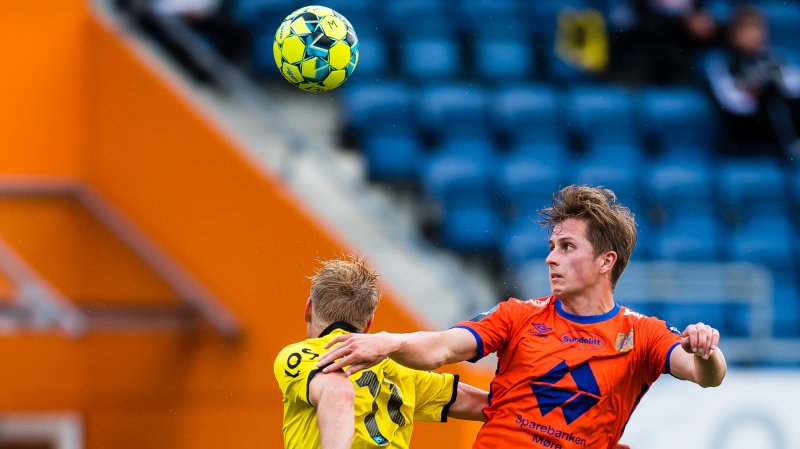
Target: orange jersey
[[565, 381]]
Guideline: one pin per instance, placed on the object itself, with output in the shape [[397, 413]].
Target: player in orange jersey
[[572, 366]]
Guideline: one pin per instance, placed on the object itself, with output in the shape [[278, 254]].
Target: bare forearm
[[709, 373], [420, 350], [469, 403]]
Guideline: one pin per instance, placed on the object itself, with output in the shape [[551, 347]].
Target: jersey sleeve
[[294, 368], [660, 340], [435, 393], [491, 329]]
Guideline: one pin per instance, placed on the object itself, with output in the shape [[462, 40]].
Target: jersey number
[[369, 380]]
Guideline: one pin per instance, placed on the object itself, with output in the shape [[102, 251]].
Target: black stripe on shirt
[[446, 408]]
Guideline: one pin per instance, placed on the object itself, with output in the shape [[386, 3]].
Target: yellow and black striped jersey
[[389, 397]]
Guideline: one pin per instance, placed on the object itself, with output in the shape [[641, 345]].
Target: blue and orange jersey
[[563, 380]]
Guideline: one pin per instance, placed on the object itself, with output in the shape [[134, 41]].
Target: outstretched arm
[[418, 350], [701, 361], [334, 396], [469, 403]]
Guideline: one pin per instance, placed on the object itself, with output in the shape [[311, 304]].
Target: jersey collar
[[343, 325], [586, 319]]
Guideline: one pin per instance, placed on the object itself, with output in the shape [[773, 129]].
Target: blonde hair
[[344, 290], [610, 225]]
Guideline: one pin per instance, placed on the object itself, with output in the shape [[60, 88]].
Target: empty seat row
[[679, 118]]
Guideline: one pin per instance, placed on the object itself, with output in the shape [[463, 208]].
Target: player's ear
[[307, 310], [369, 324], [608, 259]]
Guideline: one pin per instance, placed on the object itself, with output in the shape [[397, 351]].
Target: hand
[[356, 351], [700, 339], [622, 446]]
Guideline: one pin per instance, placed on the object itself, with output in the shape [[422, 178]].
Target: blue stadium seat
[[415, 15], [765, 240], [692, 153], [255, 13], [720, 10], [619, 175], [680, 315], [262, 59], [453, 111], [471, 228], [601, 115], [352, 9], [681, 186], [524, 241], [487, 13], [460, 174], [690, 238], [646, 234], [459, 178], [526, 113], [430, 56], [632, 154], [554, 154], [786, 308], [528, 178], [753, 187], [677, 116], [783, 19], [503, 58], [795, 197], [373, 57], [393, 157], [377, 106]]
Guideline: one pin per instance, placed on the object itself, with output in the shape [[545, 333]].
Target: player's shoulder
[[531, 303], [308, 346], [641, 320]]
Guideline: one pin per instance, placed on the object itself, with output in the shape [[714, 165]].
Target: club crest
[[624, 342]]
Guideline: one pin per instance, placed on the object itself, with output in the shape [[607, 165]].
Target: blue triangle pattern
[[549, 397]]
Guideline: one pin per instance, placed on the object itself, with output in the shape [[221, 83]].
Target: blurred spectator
[[663, 41], [759, 93]]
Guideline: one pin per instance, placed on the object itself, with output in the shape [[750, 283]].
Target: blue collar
[[586, 319]]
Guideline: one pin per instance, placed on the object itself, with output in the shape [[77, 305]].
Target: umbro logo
[[540, 329], [573, 404]]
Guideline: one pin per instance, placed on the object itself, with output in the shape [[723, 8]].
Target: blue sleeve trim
[[669, 353], [478, 340]]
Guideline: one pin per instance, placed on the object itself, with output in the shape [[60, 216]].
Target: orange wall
[[166, 167], [78, 255], [42, 82]]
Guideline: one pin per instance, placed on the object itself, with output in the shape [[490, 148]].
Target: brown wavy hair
[[610, 225]]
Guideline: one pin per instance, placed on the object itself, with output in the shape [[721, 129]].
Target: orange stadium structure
[[175, 266]]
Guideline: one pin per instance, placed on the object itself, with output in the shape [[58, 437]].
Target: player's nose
[[551, 258]]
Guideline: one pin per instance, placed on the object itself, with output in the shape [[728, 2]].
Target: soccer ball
[[316, 48]]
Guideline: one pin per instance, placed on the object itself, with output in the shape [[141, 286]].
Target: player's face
[[573, 266]]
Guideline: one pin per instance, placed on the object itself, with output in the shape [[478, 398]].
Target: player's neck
[[588, 304], [314, 329]]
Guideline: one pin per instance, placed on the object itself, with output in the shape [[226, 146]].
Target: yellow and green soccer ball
[[316, 48]]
